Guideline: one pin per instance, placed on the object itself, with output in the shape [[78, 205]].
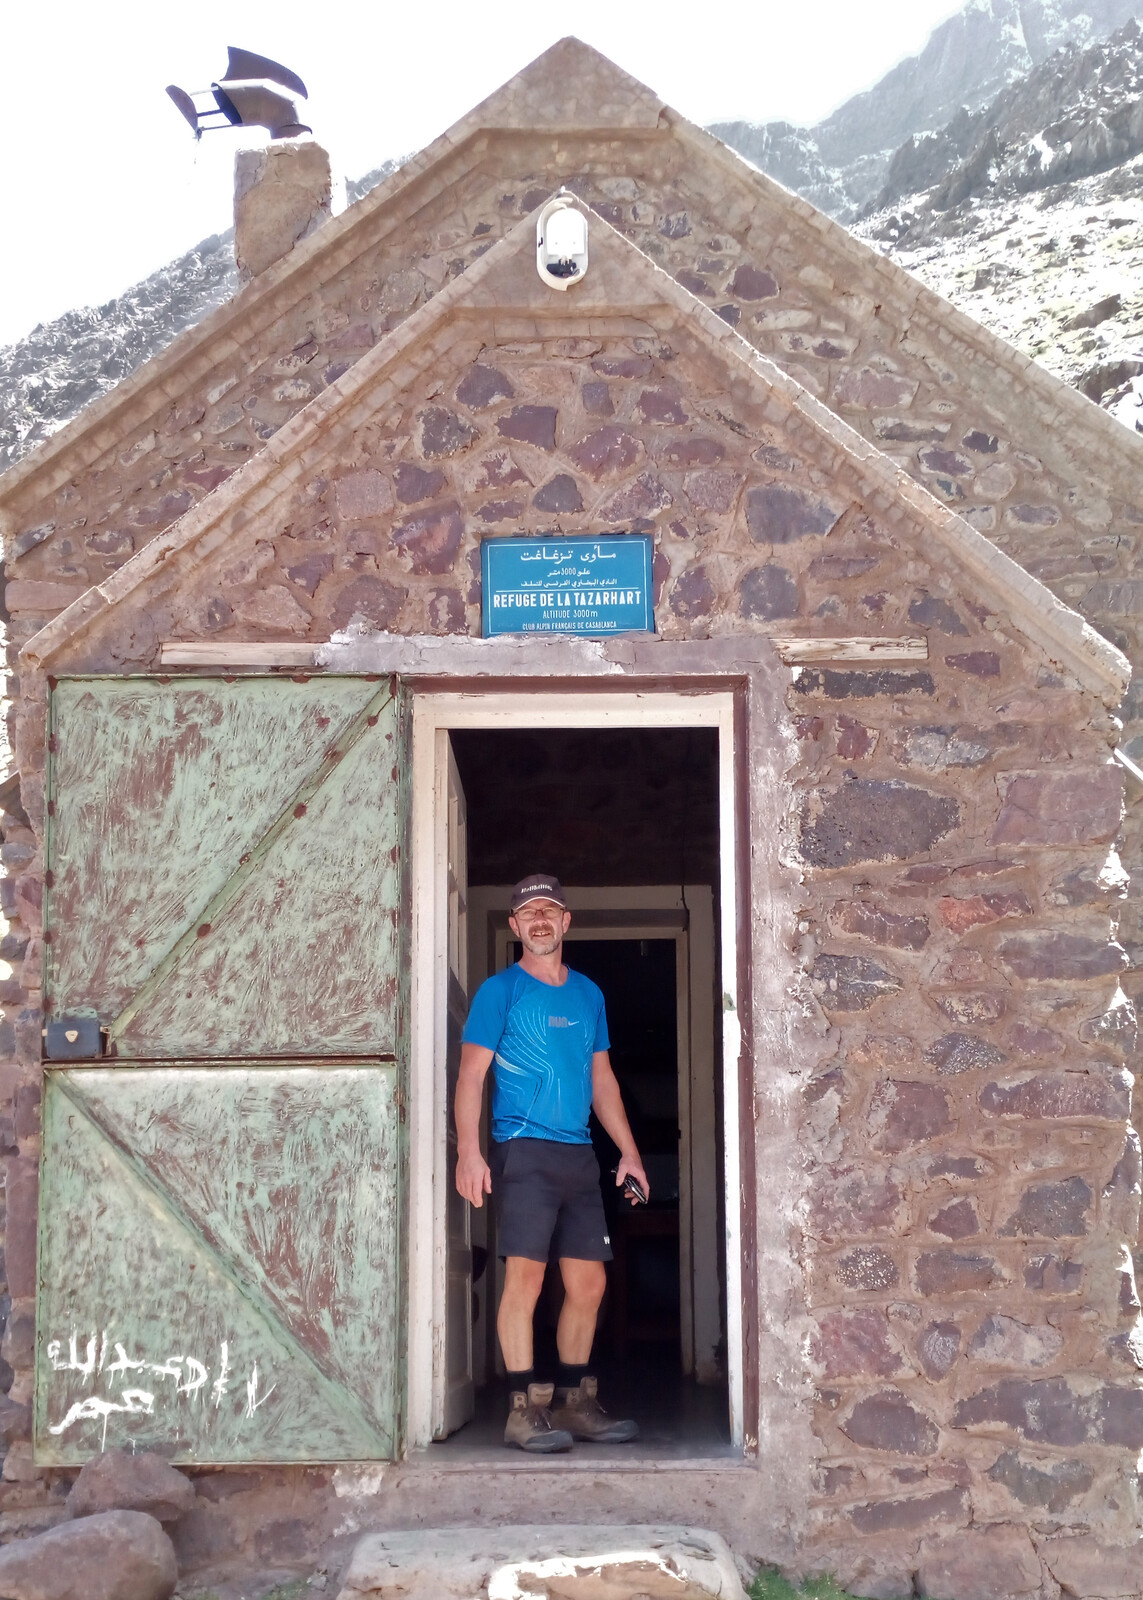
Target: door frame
[[434, 714], [657, 911]]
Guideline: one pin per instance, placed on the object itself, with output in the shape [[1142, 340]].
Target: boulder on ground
[[119, 1481], [115, 1555]]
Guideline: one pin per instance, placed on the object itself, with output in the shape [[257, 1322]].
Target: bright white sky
[[103, 181]]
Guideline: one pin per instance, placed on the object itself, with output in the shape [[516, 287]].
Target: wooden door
[[219, 1263], [455, 1365], [220, 1249], [222, 865]]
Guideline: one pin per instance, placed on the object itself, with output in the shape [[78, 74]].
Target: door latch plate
[[73, 1039]]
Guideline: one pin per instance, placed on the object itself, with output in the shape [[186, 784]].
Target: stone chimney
[[281, 194]]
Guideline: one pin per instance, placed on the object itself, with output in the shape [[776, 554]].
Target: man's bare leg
[[577, 1409], [523, 1280], [529, 1425], [584, 1283]]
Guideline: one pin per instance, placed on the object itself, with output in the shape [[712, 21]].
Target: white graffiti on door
[[106, 1359]]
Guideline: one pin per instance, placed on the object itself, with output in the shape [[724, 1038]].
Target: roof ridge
[[612, 96], [1086, 653]]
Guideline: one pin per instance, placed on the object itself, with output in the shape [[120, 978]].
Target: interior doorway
[[643, 1311], [632, 809]]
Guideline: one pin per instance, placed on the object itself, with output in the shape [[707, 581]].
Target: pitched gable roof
[[501, 298], [571, 89]]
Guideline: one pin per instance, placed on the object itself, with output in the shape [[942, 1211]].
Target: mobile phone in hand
[[632, 1187]]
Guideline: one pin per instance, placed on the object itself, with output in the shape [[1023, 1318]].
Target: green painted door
[[220, 1241], [223, 865], [218, 1265]]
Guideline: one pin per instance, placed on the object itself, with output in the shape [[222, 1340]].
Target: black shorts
[[547, 1194]]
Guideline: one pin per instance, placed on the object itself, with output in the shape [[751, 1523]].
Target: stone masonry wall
[[855, 330], [971, 1178]]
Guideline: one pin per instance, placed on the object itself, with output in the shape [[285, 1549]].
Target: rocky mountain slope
[[1029, 215], [63, 365], [841, 164], [1080, 112]]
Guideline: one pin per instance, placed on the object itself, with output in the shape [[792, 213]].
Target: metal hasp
[[220, 1256], [73, 1039]]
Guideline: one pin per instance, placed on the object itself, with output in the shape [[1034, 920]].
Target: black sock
[[570, 1374], [518, 1381]]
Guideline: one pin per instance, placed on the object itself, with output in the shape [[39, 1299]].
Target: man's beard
[[542, 944]]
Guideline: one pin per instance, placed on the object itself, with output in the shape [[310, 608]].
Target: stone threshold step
[[422, 1464], [564, 1561]]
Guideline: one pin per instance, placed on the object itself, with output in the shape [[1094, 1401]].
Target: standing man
[[542, 1028]]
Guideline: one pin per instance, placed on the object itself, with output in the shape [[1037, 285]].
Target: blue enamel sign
[[568, 585]]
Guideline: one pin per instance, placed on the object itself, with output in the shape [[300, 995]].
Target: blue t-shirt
[[543, 1037]]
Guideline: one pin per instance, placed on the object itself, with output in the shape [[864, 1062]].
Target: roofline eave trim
[[910, 291]]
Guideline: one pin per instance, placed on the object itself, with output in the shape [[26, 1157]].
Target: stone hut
[[861, 780]]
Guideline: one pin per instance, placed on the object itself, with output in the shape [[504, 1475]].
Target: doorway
[[652, 950], [628, 798]]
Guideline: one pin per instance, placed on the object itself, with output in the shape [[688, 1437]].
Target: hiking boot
[[529, 1425], [579, 1411]]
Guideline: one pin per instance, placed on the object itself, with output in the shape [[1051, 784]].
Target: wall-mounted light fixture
[[561, 242]]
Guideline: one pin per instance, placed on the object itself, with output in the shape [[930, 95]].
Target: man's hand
[[607, 1103], [473, 1179], [631, 1165]]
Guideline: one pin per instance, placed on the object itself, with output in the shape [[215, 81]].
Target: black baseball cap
[[537, 887]]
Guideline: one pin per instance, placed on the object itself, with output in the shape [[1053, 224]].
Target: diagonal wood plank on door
[[223, 865], [156, 790], [327, 840], [189, 1234]]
